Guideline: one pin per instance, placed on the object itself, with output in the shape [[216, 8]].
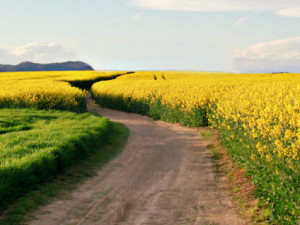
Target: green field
[[36, 145]]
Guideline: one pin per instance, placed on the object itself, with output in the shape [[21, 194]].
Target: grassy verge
[[277, 183], [37, 145], [239, 184], [21, 210]]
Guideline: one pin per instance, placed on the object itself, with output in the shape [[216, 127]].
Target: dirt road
[[164, 176]]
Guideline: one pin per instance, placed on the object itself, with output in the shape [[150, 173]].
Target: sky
[[203, 35]]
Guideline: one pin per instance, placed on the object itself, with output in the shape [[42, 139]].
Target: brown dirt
[[165, 176]]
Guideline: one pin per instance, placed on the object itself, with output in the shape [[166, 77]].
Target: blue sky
[[205, 35]]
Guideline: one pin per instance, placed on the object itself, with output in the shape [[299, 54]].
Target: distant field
[[257, 115], [48, 90], [35, 145]]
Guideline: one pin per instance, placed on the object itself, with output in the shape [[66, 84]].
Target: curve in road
[[164, 176]]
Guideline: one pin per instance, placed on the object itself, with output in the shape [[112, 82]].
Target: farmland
[[44, 127], [36, 145], [257, 116], [37, 140], [48, 90]]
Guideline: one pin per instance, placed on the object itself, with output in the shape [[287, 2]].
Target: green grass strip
[[37, 145]]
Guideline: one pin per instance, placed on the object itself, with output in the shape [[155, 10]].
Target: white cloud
[[242, 20], [137, 16], [291, 12], [275, 56], [216, 5], [36, 52]]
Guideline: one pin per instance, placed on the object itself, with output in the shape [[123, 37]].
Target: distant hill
[[30, 66]]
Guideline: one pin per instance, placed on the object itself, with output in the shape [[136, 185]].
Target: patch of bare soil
[[164, 176]]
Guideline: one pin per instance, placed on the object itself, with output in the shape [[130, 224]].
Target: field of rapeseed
[[48, 90], [258, 116]]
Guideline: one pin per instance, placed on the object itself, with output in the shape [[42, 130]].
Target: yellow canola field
[[45, 90], [265, 107], [257, 116]]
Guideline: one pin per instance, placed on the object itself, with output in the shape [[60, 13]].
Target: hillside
[[30, 66]]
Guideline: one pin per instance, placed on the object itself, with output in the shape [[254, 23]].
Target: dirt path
[[164, 176]]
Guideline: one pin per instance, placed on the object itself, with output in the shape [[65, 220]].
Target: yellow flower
[[264, 106], [268, 157]]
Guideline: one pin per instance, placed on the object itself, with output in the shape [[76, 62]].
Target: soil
[[165, 175]]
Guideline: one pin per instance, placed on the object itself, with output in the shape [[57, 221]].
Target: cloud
[[137, 16], [242, 20], [275, 56], [215, 5], [291, 12], [36, 52]]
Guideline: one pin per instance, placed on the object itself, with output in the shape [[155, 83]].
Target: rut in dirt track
[[164, 176]]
